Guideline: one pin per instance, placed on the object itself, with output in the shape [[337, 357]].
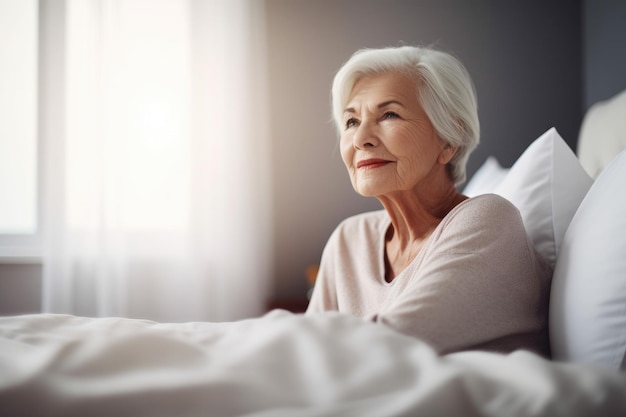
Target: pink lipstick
[[372, 163]]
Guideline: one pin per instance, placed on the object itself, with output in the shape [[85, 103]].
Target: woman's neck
[[415, 215], [413, 219]]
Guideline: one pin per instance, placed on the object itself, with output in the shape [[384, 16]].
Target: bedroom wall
[[525, 58], [603, 49], [20, 288]]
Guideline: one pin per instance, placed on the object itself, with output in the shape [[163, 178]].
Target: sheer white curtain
[[157, 193]]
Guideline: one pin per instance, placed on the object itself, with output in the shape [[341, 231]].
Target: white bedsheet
[[278, 365]]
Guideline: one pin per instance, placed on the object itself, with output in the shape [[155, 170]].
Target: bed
[[285, 364]]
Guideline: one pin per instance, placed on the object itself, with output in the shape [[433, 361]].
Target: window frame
[[49, 15]]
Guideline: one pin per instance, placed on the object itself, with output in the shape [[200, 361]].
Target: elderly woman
[[458, 273]]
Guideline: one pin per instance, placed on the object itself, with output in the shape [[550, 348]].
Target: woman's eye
[[390, 115], [351, 122]]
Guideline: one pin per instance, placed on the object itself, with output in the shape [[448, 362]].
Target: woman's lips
[[372, 163]]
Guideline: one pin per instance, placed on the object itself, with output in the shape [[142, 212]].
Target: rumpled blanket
[[281, 364]]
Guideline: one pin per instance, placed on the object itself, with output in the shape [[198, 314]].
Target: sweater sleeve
[[350, 264], [479, 285], [324, 296]]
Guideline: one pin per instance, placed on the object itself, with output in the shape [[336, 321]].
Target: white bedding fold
[[278, 365]]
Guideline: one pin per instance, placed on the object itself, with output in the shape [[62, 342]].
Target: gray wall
[[20, 288], [604, 49], [524, 56]]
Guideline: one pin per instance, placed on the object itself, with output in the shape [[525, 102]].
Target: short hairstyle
[[444, 89]]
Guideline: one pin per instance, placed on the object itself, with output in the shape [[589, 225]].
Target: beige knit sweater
[[477, 283]]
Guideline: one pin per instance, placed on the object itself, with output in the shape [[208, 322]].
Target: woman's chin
[[367, 191]]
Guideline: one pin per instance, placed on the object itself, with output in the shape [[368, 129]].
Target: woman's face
[[388, 144]]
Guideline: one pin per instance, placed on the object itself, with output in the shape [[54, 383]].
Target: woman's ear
[[447, 153]]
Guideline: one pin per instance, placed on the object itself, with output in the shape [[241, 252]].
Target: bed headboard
[[602, 134]]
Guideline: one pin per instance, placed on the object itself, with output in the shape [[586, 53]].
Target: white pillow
[[486, 179], [546, 184], [588, 301]]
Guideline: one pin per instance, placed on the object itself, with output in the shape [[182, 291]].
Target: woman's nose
[[365, 136]]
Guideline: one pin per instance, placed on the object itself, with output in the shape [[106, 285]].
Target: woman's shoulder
[[477, 222], [364, 223], [369, 219], [488, 204], [486, 209]]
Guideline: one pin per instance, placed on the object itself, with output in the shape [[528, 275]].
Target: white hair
[[444, 89]]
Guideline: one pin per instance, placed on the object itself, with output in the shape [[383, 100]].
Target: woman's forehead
[[386, 87]]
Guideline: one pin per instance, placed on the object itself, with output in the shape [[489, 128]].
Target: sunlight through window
[[18, 125]]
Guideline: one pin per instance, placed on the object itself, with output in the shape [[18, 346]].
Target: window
[[18, 127]]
